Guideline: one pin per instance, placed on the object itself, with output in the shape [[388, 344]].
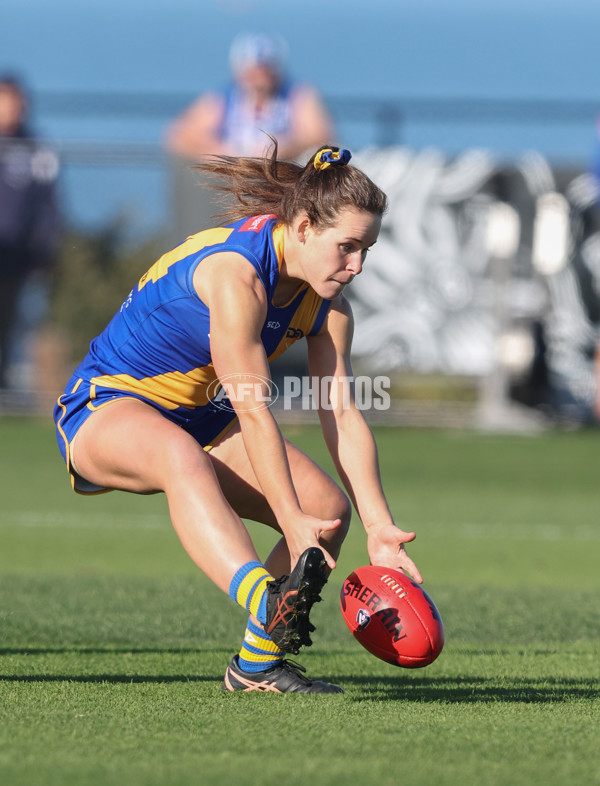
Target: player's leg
[[127, 444], [319, 495], [259, 664]]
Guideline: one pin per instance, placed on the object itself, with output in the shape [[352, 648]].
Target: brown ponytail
[[266, 185]]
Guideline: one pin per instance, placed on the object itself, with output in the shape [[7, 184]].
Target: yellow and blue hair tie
[[326, 157]]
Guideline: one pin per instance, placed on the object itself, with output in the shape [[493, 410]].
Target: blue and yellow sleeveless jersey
[[157, 348]]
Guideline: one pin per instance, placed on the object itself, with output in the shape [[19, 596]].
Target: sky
[[381, 46], [392, 49]]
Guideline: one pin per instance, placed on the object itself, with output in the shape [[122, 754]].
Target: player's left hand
[[386, 548]]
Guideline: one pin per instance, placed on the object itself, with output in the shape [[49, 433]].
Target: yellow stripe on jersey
[[301, 324], [194, 243], [278, 242], [171, 390]]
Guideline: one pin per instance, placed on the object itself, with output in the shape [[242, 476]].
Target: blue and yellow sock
[[249, 588], [258, 651]]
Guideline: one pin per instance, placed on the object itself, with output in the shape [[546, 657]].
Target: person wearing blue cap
[[260, 101]]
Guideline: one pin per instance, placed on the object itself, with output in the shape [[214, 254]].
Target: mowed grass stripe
[[467, 530], [72, 520], [107, 612]]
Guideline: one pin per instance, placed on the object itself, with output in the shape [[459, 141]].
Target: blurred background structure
[[482, 298]]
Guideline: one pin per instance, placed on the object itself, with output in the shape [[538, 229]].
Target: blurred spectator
[[261, 100], [29, 224]]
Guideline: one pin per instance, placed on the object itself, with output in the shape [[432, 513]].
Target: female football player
[[173, 396]]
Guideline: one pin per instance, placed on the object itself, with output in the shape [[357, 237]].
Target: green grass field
[[113, 645]]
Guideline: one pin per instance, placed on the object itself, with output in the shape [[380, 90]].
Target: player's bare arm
[[351, 443], [237, 302]]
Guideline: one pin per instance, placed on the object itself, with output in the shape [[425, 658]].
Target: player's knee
[[346, 513], [184, 461], [341, 509]]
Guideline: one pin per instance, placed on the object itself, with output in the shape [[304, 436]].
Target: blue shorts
[[82, 398]]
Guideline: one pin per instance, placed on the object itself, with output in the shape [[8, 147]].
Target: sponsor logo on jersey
[[256, 223]]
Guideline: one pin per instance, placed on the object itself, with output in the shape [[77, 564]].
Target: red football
[[392, 616]]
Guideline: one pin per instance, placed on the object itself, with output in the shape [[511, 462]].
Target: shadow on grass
[[365, 689], [403, 686], [225, 653], [444, 690], [75, 650], [468, 690], [112, 678]]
